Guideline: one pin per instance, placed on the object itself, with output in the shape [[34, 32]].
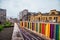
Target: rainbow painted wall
[[50, 30]]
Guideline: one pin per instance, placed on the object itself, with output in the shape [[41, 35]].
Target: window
[[46, 18], [39, 18], [50, 18], [29, 19], [53, 13], [56, 18]]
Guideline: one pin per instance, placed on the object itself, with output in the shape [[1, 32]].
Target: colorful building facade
[[44, 24]]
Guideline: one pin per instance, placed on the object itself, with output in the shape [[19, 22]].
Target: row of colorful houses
[[50, 30]]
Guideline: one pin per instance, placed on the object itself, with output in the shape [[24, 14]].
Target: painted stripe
[[43, 28], [47, 32], [28, 25], [57, 32], [51, 31], [32, 26], [54, 30], [36, 27], [40, 27]]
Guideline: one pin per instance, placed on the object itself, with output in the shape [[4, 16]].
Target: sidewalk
[[16, 33], [6, 33]]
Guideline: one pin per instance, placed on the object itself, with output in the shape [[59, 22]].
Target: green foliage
[[7, 24], [1, 27]]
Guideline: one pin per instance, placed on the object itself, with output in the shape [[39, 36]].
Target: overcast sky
[[13, 7]]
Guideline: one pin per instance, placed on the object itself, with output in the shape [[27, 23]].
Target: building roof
[[58, 12], [2, 9], [44, 14]]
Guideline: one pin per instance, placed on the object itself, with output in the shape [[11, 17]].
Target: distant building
[[2, 15], [20, 15], [52, 16], [23, 14]]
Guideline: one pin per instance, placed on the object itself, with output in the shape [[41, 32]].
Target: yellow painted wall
[[43, 17], [58, 19]]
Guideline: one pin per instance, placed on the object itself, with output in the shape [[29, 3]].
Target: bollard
[[51, 31], [47, 31], [57, 37], [54, 30], [32, 26], [21, 24], [39, 27], [28, 25], [36, 27], [43, 28], [25, 24], [57, 32]]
